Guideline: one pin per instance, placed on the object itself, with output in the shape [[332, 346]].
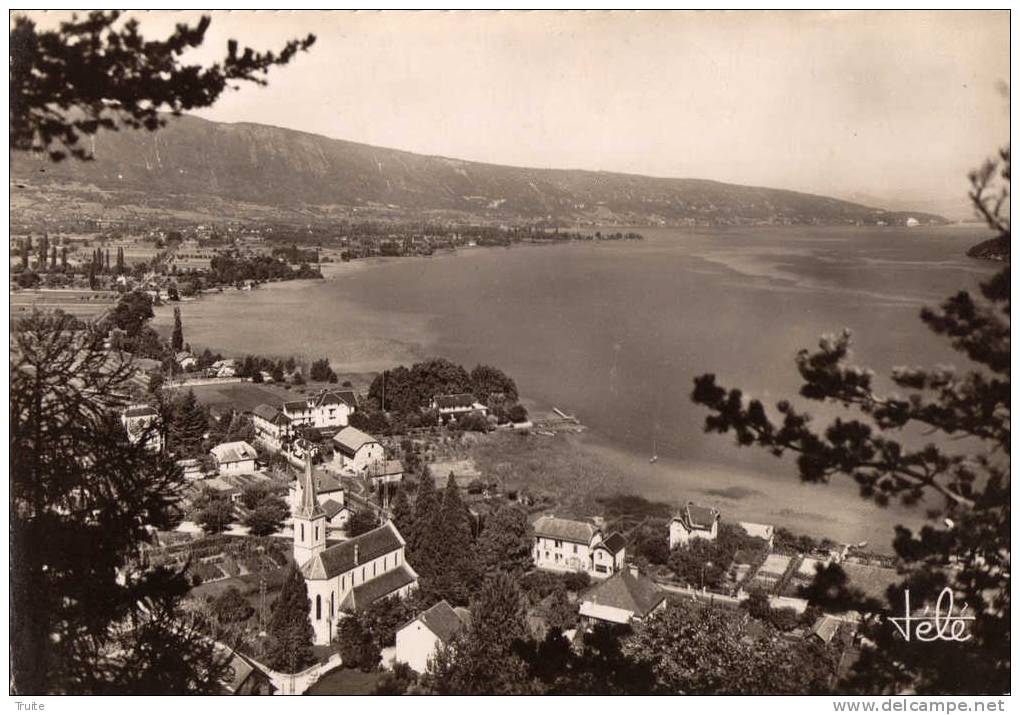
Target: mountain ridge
[[194, 161]]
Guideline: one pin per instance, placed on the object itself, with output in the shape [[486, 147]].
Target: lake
[[615, 332]]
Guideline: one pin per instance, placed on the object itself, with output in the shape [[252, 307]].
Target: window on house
[[575, 548], [343, 582], [318, 608], [363, 574], [373, 567], [316, 533], [302, 532], [332, 603]]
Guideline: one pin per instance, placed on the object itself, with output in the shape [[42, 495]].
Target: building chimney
[[355, 554]]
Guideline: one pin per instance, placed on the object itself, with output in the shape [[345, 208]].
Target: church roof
[[309, 507], [363, 596], [346, 555]]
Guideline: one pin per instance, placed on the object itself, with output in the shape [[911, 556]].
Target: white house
[[418, 640], [355, 451], [186, 360], [450, 407], [234, 458], [625, 597], [346, 577], [693, 522], [327, 410], [142, 421], [766, 532], [272, 427], [331, 495], [567, 545]]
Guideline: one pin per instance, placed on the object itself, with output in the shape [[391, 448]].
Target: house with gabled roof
[[347, 577], [419, 638], [569, 545], [693, 522], [451, 407], [355, 451], [625, 597], [326, 411], [234, 458]]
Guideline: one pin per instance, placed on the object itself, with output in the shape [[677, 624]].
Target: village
[[326, 476], [82, 264]]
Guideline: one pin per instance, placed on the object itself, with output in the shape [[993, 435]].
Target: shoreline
[[739, 490]]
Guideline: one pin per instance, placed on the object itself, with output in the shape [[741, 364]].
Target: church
[[345, 577]]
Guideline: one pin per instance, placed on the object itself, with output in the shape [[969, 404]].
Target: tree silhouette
[[967, 544], [97, 73], [86, 617], [290, 627]]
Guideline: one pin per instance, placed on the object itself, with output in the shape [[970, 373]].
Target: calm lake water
[[615, 333]]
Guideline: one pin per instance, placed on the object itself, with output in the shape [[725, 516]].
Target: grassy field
[[84, 304], [548, 466], [246, 395], [346, 681]]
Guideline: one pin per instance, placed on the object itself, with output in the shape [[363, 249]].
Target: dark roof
[[462, 399], [694, 516], [326, 483], [327, 397], [266, 412], [637, 594], [339, 559], [140, 411], [614, 544], [825, 628], [442, 620], [332, 508], [551, 527], [385, 469], [363, 596], [296, 406]]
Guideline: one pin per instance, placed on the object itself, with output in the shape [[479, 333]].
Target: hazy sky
[[838, 102]]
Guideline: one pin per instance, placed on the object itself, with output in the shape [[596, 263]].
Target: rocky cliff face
[[269, 166]]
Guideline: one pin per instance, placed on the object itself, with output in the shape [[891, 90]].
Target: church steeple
[[309, 520]]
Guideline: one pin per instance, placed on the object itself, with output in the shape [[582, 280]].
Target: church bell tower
[[309, 520]]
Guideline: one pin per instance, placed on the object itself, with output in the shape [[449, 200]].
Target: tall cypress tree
[[53, 258], [63, 257], [290, 627], [401, 512], [455, 573], [26, 248], [177, 339]]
